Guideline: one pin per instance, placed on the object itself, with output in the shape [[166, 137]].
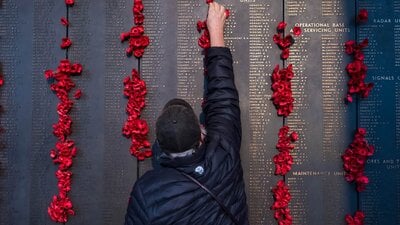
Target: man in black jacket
[[166, 195]]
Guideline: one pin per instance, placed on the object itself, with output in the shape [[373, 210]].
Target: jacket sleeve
[[221, 109], [136, 213]]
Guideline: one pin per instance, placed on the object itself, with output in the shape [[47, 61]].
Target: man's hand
[[215, 24]]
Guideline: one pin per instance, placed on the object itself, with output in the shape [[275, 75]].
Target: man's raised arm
[[222, 101]]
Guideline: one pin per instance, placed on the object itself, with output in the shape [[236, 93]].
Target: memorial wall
[[172, 66]]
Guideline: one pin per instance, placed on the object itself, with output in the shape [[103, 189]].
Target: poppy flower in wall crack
[[137, 31], [138, 53], [350, 47], [124, 36], [358, 218], [359, 55], [60, 208], [281, 26], [286, 42], [69, 2], [294, 136], [283, 43], [138, 8], [64, 21], [281, 195], [297, 31], [66, 43], [362, 16], [76, 69], [283, 163], [139, 19], [285, 54], [201, 25]]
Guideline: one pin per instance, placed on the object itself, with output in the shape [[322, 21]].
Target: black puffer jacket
[[164, 196]]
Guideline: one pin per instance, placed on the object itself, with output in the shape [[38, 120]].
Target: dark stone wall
[[104, 172]]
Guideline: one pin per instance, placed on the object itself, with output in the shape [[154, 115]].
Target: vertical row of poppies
[[65, 150], [136, 128], [283, 100], [357, 153]]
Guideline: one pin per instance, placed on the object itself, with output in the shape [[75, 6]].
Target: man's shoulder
[[157, 177]]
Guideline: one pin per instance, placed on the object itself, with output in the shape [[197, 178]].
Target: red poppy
[[138, 8], [64, 21], [124, 36], [362, 16], [227, 13], [60, 208], [204, 40], [145, 41], [69, 2], [139, 19], [286, 42], [350, 45], [78, 94], [359, 55], [297, 31], [358, 218], [201, 25], [281, 26], [138, 53], [66, 43], [137, 31], [285, 53], [76, 69], [283, 163], [355, 67]]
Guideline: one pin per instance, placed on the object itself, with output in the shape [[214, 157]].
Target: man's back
[[165, 196]]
